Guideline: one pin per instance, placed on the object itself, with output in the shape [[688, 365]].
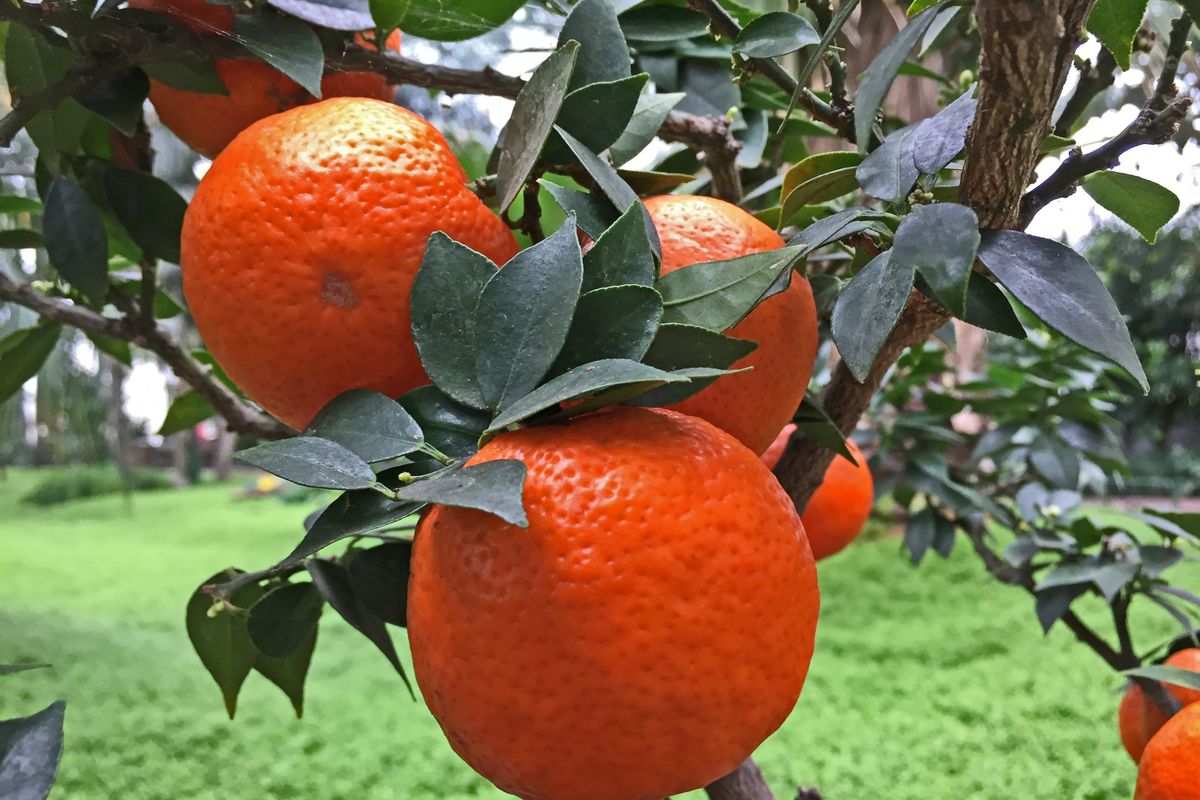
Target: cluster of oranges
[[1167, 750]]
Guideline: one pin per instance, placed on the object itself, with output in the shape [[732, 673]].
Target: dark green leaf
[[939, 139], [9, 669], [341, 15], [22, 360], [350, 514], [189, 74], [651, 183], [888, 172], [288, 673], [333, 582], [368, 423], [532, 119], [989, 308], [1053, 602], [462, 19], [284, 618], [621, 255], [1174, 523], [30, 751], [1144, 204], [32, 64], [708, 88], [867, 311], [1055, 460], [116, 349], [604, 56], [718, 294], [379, 576], [149, 209], [75, 238], [835, 227], [286, 43], [1068, 573], [919, 533], [940, 241], [815, 166], [596, 115], [648, 116], [1176, 676], [12, 204], [1115, 576], [310, 461], [775, 34], [593, 214], [814, 423], [678, 346], [19, 239], [581, 381], [187, 410], [1064, 291], [220, 638], [1157, 559], [611, 322], [118, 99], [493, 486], [822, 188], [452, 428], [877, 80], [388, 14], [524, 314], [1115, 23], [662, 24]]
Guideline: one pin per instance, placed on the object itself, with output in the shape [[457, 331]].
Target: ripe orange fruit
[[1139, 718], [842, 503], [208, 122], [1170, 766], [752, 405], [651, 626], [300, 246]]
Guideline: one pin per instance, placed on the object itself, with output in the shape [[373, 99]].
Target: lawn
[[928, 684]]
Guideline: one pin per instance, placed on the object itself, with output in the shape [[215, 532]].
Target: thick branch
[[239, 415], [713, 137], [744, 783]]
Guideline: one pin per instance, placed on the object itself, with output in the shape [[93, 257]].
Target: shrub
[[77, 483]]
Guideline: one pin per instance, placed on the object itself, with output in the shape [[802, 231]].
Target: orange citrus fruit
[[842, 503], [1170, 766], [301, 243], [208, 122], [651, 626], [1139, 717], [752, 405]]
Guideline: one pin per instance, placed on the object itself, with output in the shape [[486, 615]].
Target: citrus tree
[[568, 368]]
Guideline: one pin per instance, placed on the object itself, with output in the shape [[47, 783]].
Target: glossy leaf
[[878, 78], [816, 165], [21, 360], [621, 255], [867, 311], [662, 24], [596, 115], [775, 33], [814, 423], [310, 461], [678, 346], [454, 21], [495, 487], [1176, 676], [940, 242], [368, 423], [188, 74], [1115, 23], [524, 314], [611, 322], [1144, 204], [939, 139], [289, 672], [118, 99], [604, 55], [149, 209], [649, 182], [75, 238], [388, 14], [593, 214], [349, 515], [718, 294], [284, 618], [220, 639], [835, 227], [188, 409], [30, 751], [888, 172], [648, 116], [532, 120], [1052, 603], [379, 576], [452, 428], [287, 44], [1064, 291], [990, 309]]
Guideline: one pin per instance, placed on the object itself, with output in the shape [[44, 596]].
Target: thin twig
[[1093, 79]]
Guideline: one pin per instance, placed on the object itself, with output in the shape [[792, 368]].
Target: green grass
[[929, 684]]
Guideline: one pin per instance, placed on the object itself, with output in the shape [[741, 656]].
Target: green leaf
[[867, 311], [1144, 204], [621, 255], [596, 115], [310, 461], [445, 293], [379, 576], [12, 204], [1067, 573], [878, 78], [118, 99], [495, 487], [462, 19], [654, 182], [816, 165], [1115, 23], [1176, 676], [524, 314], [20, 239], [284, 618], [593, 214], [611, 322], [989, 308], [940, 242], [814, 423], [835, 227], [1053, 602], [220, 639], [1056, 461], [820, 189], [1156, 559], [775, 33], [718, 294], [579, 382], [22, 360], [31, 65], [1064, 291], [708, 87], [604, 55], [939, 139], [662, 24], [388, 14], [532, 120], [917, 6], [919, 533], [9, 669], [350, 514], [30, 751], [648, 116], [452, 428], [888, 172], [333, 582], [368, 423], [187, 409], [677, 346], [149, 209], [75, 238], [117, 349], [289, 672], [189, 74], [287, 44]]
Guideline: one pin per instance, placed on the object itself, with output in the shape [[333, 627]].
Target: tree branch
[[744, 783], [1093, 79]]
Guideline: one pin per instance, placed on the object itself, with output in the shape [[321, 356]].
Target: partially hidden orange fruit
[[301, 243], [840, 507], [751, 405], [208, 122], [1170, 765], [651, 626], [1139, 717]]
